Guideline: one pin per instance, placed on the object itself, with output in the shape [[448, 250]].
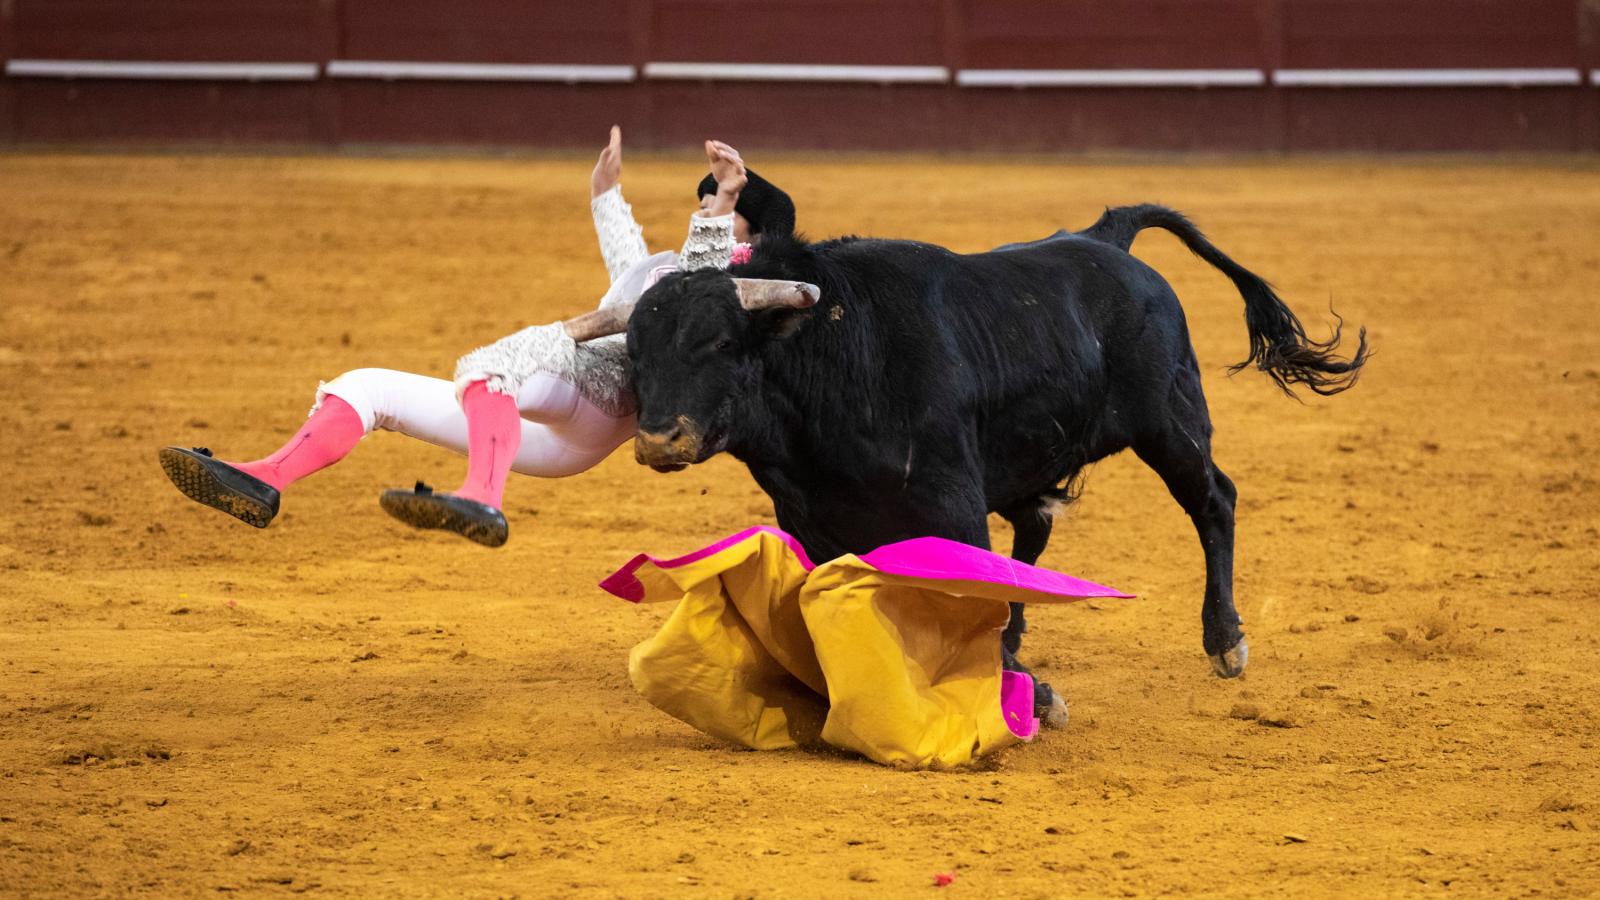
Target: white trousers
[[562, 433]]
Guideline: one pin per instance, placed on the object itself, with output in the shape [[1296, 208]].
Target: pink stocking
[[494, 434], [323, 440]]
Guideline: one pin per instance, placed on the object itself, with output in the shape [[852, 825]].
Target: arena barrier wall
[[961, 75]]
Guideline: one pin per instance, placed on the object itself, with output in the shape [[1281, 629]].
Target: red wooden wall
[[1441, 33], [165, 29], [1111, 34], [436, 111], [838, 32], [1421, 33], [1166, 75]]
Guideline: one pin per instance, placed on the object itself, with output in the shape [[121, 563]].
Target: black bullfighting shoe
[[218, 485], [422, 508]]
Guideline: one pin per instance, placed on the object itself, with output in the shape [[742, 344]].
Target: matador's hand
[[608, 171], [726, 167], [728, 171]]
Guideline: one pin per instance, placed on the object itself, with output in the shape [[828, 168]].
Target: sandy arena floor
[[340, 706]]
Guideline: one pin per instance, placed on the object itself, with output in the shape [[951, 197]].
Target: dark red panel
[[7, 117], [1384, 34], [1589, 121], [1113, 34], [164, 112], [487, 31], [801, 115], [203, 30], [7, 31], [502, 113], [6, 94], [1160, 119], [1589, 60], [828, 32], [1436, 119]]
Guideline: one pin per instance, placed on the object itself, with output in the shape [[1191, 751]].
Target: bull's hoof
[[1230, 663], [1056, 716]]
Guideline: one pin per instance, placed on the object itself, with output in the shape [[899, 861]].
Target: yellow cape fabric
[[760, 651]]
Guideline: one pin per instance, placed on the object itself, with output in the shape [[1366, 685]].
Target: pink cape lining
[[1016, 704], [925, 557]]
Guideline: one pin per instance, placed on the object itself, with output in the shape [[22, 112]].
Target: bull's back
[[1033, 310], [1041, 320], [1006, 354], [1069, 320]]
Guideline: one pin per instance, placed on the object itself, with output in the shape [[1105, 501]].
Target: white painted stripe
[[1111, 78], [1425, 77], [441, 71], [207, 71], [796, 72]]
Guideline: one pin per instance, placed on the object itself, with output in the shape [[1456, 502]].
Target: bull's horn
[[595, 324], [769, 293]]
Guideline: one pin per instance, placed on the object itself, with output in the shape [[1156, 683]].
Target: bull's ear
[[770, 293]]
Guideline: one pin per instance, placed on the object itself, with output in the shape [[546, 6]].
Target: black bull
[[927, 389]]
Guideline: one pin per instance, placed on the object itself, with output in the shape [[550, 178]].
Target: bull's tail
[[1278, 342]]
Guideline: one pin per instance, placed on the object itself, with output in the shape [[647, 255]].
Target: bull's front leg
[[962, 515], [1030, 526], [1030, 534]]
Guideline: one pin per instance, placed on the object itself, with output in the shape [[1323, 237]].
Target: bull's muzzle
[[671, 449]]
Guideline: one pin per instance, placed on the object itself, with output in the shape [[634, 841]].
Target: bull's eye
[[724, 345]]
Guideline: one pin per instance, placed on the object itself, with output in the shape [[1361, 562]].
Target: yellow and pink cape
[[894, 654]]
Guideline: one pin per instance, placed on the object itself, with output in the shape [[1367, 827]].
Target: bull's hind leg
[[1030, 526], [1180, 452]]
